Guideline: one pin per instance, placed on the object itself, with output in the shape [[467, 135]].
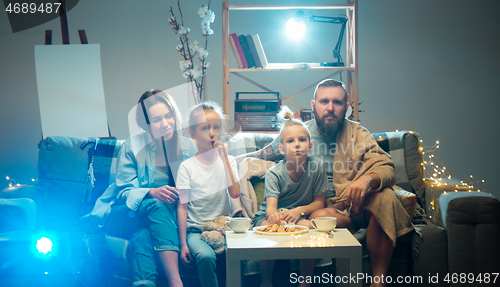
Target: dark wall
[[427, 66]]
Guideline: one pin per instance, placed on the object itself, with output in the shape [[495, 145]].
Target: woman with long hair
[[141, 204]]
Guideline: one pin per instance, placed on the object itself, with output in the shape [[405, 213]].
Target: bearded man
[[360, 176]]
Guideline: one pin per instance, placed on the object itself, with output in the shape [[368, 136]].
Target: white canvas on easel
[[70, 90]]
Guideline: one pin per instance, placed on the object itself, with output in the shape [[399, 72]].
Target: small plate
[[304, 229]]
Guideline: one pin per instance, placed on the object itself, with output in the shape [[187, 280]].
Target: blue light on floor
[[44, 245]]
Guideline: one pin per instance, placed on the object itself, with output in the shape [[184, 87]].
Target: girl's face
[[162, 121], [208, 129], [295, 142]]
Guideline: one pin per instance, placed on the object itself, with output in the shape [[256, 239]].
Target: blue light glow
[[44, 245]]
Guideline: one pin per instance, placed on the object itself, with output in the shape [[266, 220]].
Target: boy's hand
[[292, 215], [186, 254], [166, 193], [274, 218]]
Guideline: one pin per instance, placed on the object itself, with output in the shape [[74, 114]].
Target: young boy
[[297, 183]]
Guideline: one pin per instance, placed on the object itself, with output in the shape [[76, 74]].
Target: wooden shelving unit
[[351, 60]]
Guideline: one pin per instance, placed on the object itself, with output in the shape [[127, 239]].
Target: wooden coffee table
[[252, 246]]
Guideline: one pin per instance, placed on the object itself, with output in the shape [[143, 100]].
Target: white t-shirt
[[208, 195]]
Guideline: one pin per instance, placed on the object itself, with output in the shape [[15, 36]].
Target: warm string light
[[433, 166], [435, 169], [13, 183]]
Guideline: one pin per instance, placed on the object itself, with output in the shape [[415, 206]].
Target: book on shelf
[[260, 51], [246, 51], [253, 50], [238, 48], [235, 53]]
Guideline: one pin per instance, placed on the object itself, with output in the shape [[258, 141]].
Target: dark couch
[[456, 231]]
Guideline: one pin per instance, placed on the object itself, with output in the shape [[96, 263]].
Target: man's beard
[[328, 129]]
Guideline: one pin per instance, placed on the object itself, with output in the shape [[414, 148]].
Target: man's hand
[[166, 193], [292, 215], [186, 254], [356, 192]]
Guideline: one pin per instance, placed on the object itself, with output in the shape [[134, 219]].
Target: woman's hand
[[292, 215], [166, 193], [221, 149], [186, 254]]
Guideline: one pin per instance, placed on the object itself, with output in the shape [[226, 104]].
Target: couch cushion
[[17, 214], [242, 143], [431, 253], [62, 170], [472, 220], [259, 188], [466, 208], [405, 151], [102, 156], [407, 199], [63, 164], [433, 190]]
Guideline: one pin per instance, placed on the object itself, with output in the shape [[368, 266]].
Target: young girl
[[205, 183], [297, 183]]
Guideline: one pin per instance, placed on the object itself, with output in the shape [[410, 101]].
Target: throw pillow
[[259, 187], [407, 199]]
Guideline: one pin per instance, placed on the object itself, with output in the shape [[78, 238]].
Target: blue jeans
[[152, 228], [204, 256]]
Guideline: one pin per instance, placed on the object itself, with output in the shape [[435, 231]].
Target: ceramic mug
[[324, 223], [238, 224]]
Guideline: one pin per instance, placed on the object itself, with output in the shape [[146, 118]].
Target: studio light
[[296, 28], [44, 245]]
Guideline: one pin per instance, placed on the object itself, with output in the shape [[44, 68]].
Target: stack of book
[[248, 51]]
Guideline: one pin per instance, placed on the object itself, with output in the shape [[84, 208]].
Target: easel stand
[[65, 38], [64, 28]]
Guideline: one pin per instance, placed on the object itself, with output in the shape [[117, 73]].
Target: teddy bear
[[213, 234]]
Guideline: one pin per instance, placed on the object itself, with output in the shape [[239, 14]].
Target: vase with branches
[[194, 61]]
